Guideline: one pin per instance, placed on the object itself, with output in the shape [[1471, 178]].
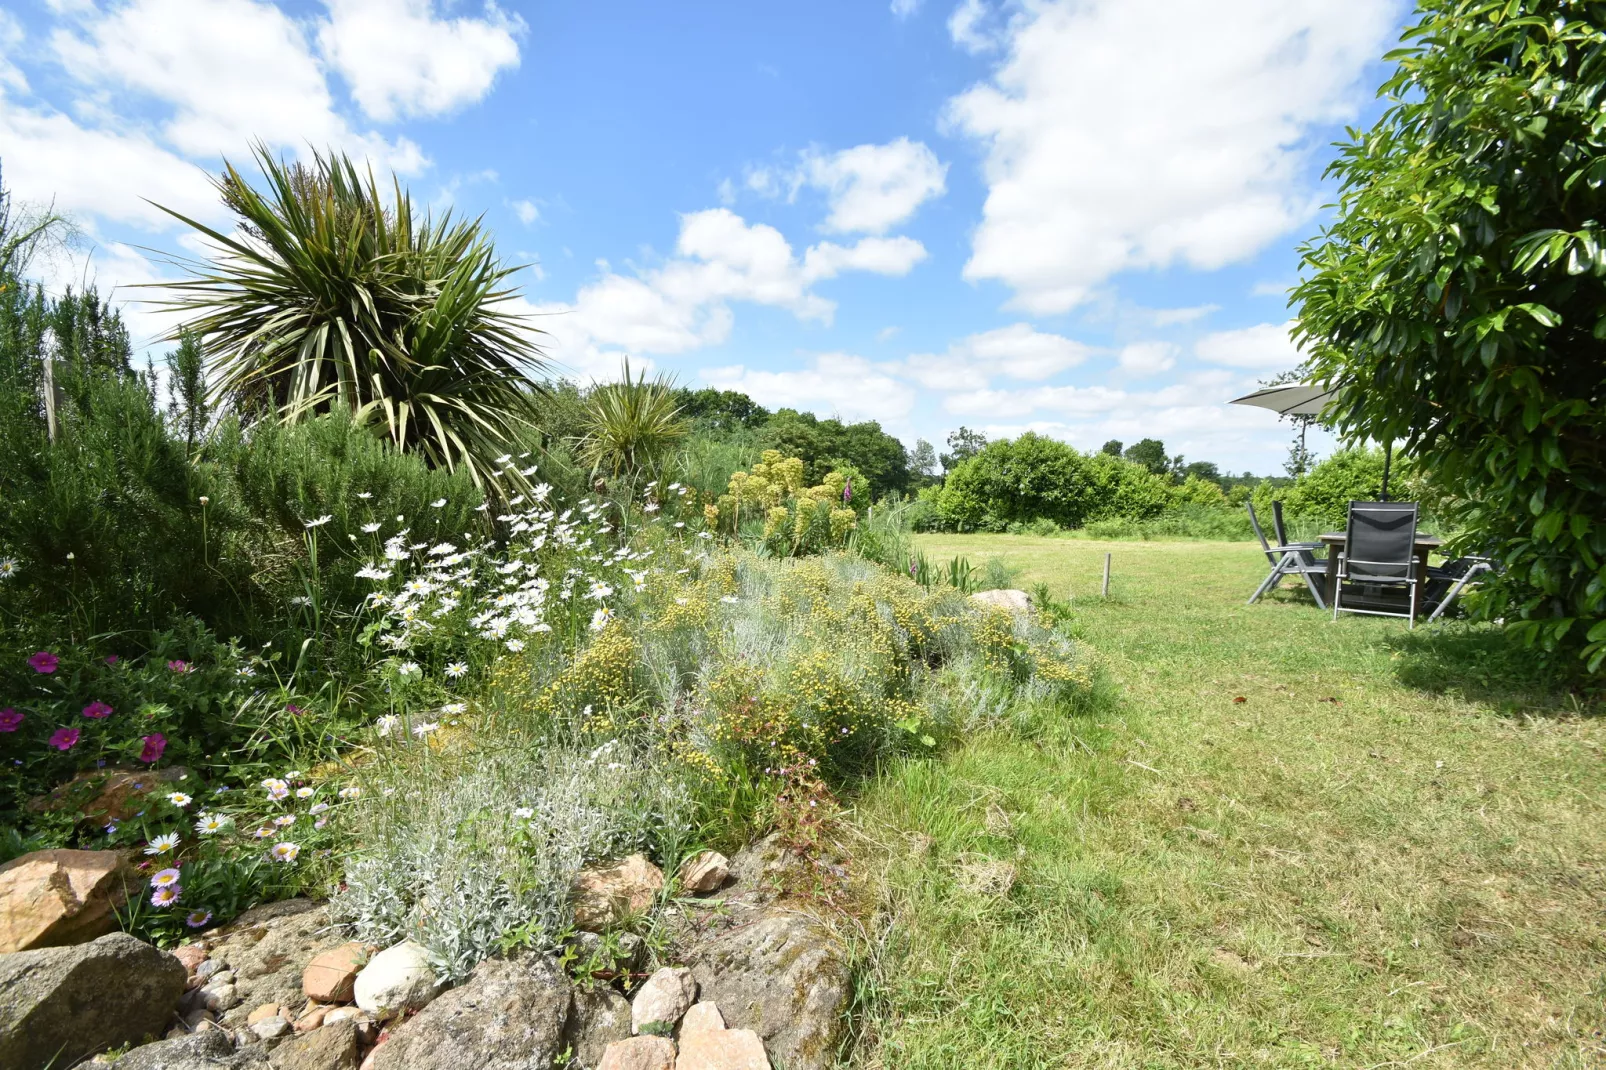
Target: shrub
[[1322, 495], [1032, 478]]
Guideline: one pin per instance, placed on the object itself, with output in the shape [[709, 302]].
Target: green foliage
[[830, 444], [336, 297], [1458, 302], [1150, 453], [720, 410], [1033, 477], [630, 427], [1323, 494], [963, 444]]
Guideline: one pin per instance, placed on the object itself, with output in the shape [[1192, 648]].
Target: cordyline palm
[[630, 426], [329, 298]]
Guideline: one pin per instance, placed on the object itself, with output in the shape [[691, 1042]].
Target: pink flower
[[179, 666], [44, 662], [10, 720], [166, 897], [97, 710], [111, 659], [64, 738], [155, 744]]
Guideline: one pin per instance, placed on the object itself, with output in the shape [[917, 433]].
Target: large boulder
[[398, 979], [52, 898], [605, 895], [639, 1053], [508, 1015], [785, 976], [331, 976], [60, 1004], [722, 1049], [704, 872], [210, 1049], [599, 1017], [108, 794], [331, 1047], [1013, 601]]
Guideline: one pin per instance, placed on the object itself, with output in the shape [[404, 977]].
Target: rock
[[663, 999], [61, 1004], [1014, 601], [331, 976], [263, 1013], [209, 1050], [702, 1018], [704, 871], [205, 970], [398, 979], [54, 898], [722, 1049], [311, 1020], [639, 1053], [604, 895], [784, 976], [331, 1048], [271, 1028], [508, 1015], [264, 951], [190, 956], [107, 794], [220, 996], [596, 1019], [193, 1019]]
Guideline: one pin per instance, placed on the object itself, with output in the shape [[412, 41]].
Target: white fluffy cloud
[[1148, 358], [400, 59], [229, 71], [684, 304], [832, 384], [1017, 352], [1120, 138], [1263, 347], [872, 188]]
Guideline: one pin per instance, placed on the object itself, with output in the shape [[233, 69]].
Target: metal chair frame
[[1346, 562], [1287, 559], [1479, 564]]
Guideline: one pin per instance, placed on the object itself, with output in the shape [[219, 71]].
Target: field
[[1279, 842]]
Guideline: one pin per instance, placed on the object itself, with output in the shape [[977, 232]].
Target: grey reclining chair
[[1287, 559], [1379, 551]]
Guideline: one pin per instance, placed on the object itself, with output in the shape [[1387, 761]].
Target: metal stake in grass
[[1106, 575]]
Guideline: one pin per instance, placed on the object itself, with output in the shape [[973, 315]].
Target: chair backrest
[[1380, 541], [1277, 523], [1254, 522]]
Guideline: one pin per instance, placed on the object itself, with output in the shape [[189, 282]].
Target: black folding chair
[[1379, 551], [1295, 559]]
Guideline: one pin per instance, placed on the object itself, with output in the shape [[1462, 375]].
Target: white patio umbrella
[[1303, 399]]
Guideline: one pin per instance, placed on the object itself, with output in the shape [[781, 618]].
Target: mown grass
[[1283, 842]]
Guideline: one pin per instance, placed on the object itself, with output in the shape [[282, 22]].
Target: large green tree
[[1458, 301], [336, 294], [830, 444]]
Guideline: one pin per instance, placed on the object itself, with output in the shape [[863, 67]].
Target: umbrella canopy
[[1295, 399]]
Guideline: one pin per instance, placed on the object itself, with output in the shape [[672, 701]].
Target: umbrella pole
[[1388, 455]]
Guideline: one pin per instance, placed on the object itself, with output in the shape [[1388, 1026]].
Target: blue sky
[[1073, 217]]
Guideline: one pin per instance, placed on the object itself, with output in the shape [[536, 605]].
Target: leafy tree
[[963, 444], [1111, 448], [334, 295], [1150, 453], [1205, 470], [923, 461], [1035, 478], [827, 445], [720, 410], [1458, 302]]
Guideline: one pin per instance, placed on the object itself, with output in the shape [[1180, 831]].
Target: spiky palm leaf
[[630, 426], [330, 297]]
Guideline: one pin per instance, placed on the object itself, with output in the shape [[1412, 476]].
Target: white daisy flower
[[162, 844], [207, 824], [457, 670], [304, 793], [285, 852], [425, 729], [387, 724], [320, 522], [369, 529], [179, 799], [350, 792], [515, 645]]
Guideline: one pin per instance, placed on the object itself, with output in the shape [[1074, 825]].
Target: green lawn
[[1281, 842]]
